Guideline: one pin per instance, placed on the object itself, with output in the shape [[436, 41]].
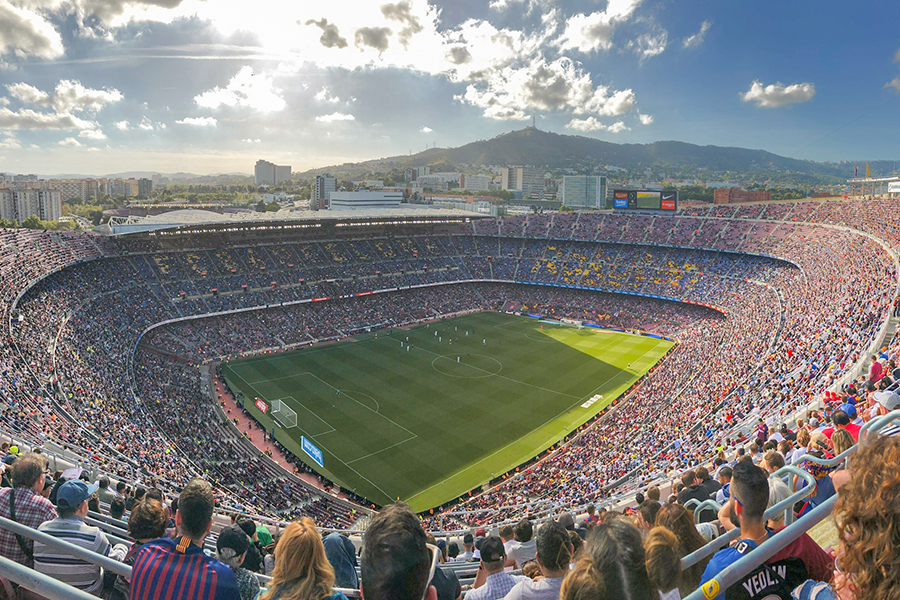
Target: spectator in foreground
[[679, 521], [524, 549], [72, 506], [611, 568], [663, 561], [231, 548], [396, 562], [179, 569], [749, 499], [554, 552], [302, 571], [492, 581], [341, 554], [445, 582], [31, 508], [146, 523], [867, 521], [254, 559]]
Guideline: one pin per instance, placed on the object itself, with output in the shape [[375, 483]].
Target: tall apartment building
[[145, 187], [583, 191], [266, 173], [729, 195], [321, 192], [19, 201], [528, 180], [475, 183]]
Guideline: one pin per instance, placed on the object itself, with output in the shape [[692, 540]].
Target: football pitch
[[465, 400]]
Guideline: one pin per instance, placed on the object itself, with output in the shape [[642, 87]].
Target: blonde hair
[[302, 571], [841, 440], [662, 559]]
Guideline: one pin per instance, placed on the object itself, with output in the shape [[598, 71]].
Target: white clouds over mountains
[[778, 94]]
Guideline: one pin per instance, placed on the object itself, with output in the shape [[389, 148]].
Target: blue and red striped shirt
[[170, 570]]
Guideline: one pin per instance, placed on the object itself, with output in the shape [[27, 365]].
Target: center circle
[[446, 365]]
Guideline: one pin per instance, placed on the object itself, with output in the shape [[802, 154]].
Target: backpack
[[769, 581]]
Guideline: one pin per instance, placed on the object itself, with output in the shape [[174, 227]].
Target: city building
[[322, 190], [528, 180], [21, 200], [267, 173], [475, 183], [145, 187], [729, 195], [583, 191], [364, 199]]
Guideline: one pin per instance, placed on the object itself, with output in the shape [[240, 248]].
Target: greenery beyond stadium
[[432, 422]]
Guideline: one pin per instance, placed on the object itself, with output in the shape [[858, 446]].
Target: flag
[[855, 171], [867, 170]]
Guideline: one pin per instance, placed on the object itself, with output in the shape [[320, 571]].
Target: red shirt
[[852, 429], [819, 565]]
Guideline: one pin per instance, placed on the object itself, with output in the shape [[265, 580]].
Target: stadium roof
[[193, 219]]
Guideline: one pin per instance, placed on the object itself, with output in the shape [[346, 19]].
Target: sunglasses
[[435, 554]]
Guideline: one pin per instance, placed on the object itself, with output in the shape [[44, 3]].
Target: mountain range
[[532, 146]]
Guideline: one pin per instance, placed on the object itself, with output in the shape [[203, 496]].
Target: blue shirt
[[721, 559], [180, 570]]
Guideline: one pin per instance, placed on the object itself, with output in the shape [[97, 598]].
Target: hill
[[532, 146]]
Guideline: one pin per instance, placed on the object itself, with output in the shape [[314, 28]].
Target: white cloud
[[336, 116], [198, 121], [693, 41], [645, 119], [92, 134], [778, 94], [894, 83], [149, 125], [28, 94], [24, 32], [426, 130], [27, 118], [10, 143], [72, 96], [588, 33], [563, 85], [592, 124], [251, 141], [246, 89], [649, 45], [122, 125], [325, 96], [70, 142]]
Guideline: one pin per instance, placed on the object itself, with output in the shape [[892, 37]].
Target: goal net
[[284, 414]]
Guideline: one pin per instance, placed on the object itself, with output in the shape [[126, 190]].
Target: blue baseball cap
[[72, 493], [850, 409]]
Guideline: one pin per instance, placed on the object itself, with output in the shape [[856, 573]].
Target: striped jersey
[[61, 565], [180, 570]]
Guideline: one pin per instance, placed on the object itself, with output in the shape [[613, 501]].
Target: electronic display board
[[666, 200]]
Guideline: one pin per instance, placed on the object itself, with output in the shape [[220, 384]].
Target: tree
[[261, 206], [273, 206], [33, 222]]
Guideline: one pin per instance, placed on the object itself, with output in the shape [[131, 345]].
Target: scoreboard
[[666, 200]]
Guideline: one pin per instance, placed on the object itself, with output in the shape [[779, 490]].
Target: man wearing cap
[[231, 547], [72, 506], [31, 508], [178, 569], [492, 582]]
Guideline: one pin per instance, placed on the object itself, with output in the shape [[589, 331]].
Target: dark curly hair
[[867, 516]]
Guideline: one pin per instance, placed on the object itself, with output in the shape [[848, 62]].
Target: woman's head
[[611, 566], [778, 492], [867, 515], [841, 440], [148, 520], [662, 559], [680, 522], [302, 571]]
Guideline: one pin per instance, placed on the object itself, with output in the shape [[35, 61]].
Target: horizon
[[192, 86]]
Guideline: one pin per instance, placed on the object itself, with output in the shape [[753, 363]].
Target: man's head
[[653, 493], [773, 461], [688, 478], [567, 520], [121, 488], [195, 509], [493, 555], [840, 418], [395, 560], [506, 533], [749, 493], [104, 483], [554, 550], [148, 520], [468, 542], [71, 498], [139, 493], [28, 470], [523, 530], [702, 473], [117, 508], [724, 475]]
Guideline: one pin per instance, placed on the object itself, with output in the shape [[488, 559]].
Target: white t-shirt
[[522, 552]]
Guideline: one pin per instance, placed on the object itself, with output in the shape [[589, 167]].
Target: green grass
[[417, 425]]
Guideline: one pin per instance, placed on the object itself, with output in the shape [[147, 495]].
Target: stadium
[[483, 370]]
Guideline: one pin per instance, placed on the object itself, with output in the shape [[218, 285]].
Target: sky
[[210, 86]]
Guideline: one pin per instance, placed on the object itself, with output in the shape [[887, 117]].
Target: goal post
[[284, 414]]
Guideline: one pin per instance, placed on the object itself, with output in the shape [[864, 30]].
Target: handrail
[[40, 583], [734, 572], [783, 506], [107, 563], [705, 505]]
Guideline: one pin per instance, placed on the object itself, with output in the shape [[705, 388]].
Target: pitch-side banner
[[894, 187], [314, 453]]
